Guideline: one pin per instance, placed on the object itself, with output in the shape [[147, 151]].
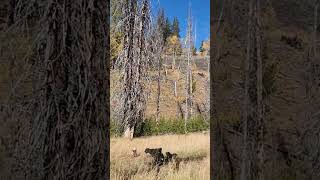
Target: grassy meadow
[[193, 149]]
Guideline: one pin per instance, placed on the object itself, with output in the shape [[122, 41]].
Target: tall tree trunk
[[253, 128], [252, 157], [74, 102], [158, 48], [218, 154], [159, 87], [260, 104], [135, 60], [245, 164], [188, 72], [128, 76], [312, 91]]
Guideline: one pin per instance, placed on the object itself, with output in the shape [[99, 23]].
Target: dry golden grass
[[194, 146]]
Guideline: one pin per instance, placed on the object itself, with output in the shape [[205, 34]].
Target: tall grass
[[194, 146]]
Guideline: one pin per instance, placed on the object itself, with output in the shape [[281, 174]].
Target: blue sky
[[179, 9]]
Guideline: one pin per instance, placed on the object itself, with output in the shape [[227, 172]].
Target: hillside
[[168, 101]]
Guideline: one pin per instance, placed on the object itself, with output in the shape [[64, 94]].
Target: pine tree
[[201, 47], [175, 27], [167, 30], [194, 50]]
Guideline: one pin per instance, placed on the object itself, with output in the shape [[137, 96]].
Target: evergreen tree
[[161, 22], [201, 47], [167, 30], [175, 27]]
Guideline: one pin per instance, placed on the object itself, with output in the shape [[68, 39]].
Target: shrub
[[170, 126], [114, 129], [165, 126]]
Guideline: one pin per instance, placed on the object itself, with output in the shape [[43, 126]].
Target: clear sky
[[179, 9]]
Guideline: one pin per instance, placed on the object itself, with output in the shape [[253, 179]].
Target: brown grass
[[195, 147]]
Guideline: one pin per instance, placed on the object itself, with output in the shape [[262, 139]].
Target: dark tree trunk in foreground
[[221, 163], [75, 99], [311, 130], [252, 158]]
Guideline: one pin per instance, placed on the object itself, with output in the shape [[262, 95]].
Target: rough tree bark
[[245, 164], [134, 62], [260, 104], [252, 157], [74, 102], [217, 160], [311, 131], [66, 110]]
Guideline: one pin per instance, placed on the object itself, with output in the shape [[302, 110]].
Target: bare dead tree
[[134, 62], [158, 48], [188, 54]]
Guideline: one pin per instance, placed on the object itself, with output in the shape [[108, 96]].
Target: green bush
[[114, 129], [170, 126], [165, 126]]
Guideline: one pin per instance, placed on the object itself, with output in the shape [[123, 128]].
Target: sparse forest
[[155, 69], [159, 89]]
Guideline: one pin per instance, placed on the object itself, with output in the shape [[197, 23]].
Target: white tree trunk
[[174, 59], [175, 89], [189, 45], [128, 132]]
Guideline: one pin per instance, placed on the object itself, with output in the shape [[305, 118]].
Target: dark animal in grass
[[160, 160], [157, 157], [169, 157], [172, 158]]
